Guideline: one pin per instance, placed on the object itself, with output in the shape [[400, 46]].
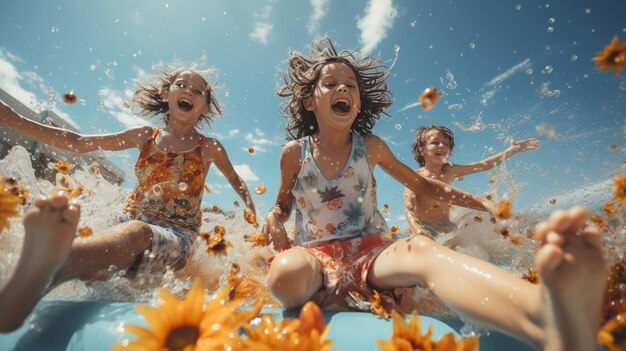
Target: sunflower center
[[616, 57], [181, 337]]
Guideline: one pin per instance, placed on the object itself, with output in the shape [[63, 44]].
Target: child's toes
[[59, 201], [592, 237], [548, 258], [71, 214]]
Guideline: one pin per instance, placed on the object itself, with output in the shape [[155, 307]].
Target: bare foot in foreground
[[49, 229], [573, 275]]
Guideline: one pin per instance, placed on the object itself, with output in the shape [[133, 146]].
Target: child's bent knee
[[293, 278]]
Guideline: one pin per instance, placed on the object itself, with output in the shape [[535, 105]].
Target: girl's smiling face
[[335, 101], [187, 98]]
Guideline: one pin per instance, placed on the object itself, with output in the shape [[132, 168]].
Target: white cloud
[[378, 19], [11, 80], [246, 173], [257, 140], [261, 31], [113, 103], [262, 27], [509, 72], [319, 11]]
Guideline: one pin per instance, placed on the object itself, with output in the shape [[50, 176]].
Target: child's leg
[[119, 247], [50, 228], [294, 276], [562, 313]]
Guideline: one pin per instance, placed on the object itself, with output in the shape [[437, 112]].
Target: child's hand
[[524, 145], [274, 232]]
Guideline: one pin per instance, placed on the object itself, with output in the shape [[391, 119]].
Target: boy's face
[[187, 97], [335, 101], [436, 147]]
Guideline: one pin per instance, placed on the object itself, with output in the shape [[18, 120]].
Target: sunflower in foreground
[[8, 206], [304, 334], [188, 324], [408, 337], [612, 57]]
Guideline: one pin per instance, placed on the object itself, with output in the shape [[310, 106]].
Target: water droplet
[[518, 7], [472, 45], [550, 29], [393, 14], [182, 186], [398, 126], [529, 71], [587, 11], [412, 24], [546, 129], [547, 70], [551, 20], [203, 19], [573, 58]]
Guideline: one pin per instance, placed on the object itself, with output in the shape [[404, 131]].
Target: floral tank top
[[344, 207], [169, 185]]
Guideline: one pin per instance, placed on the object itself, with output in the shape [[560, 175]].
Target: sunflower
[[504, 209], [612, 57], [242, 287], [620, 189], [188, 324], [377, 307], [408, 337], [613, 333], [304, 334], [257, 240], [532, 276], [8, 206], [62, 167]]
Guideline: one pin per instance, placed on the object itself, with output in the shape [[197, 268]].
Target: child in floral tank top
[[341, 252]]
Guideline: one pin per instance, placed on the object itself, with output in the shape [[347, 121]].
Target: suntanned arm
[[215, 153], [274, 229], [72, 141], [491, 162], [380, 154]]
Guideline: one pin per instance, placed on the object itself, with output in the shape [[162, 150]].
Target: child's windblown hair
[[303, 74], [151, 101]]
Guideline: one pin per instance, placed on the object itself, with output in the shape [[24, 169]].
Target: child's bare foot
[[573, 275], [50, 228]]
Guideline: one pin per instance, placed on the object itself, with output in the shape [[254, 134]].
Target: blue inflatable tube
[[96, 326]]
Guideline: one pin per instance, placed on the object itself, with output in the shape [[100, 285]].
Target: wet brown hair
[[149, 97], [303, 74], [420, 140]]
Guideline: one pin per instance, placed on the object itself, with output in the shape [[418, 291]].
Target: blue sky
[[515, 69]]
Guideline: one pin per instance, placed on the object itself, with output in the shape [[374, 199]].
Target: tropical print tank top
[[169, 185], [344, 207]]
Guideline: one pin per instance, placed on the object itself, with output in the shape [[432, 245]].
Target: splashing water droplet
[[182, 186], [587, 11], [551, 20], [573, 58], [550, 30], [398, 126], [518, 7], [547, 70], [472, 45]]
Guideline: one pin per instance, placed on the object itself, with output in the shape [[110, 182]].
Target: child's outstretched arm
[[72, 141], [217, 154], [273, 228], [492, 161], [380, 154]]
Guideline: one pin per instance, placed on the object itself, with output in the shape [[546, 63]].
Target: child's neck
[[332, 140], [180, 130], [434, 167]]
